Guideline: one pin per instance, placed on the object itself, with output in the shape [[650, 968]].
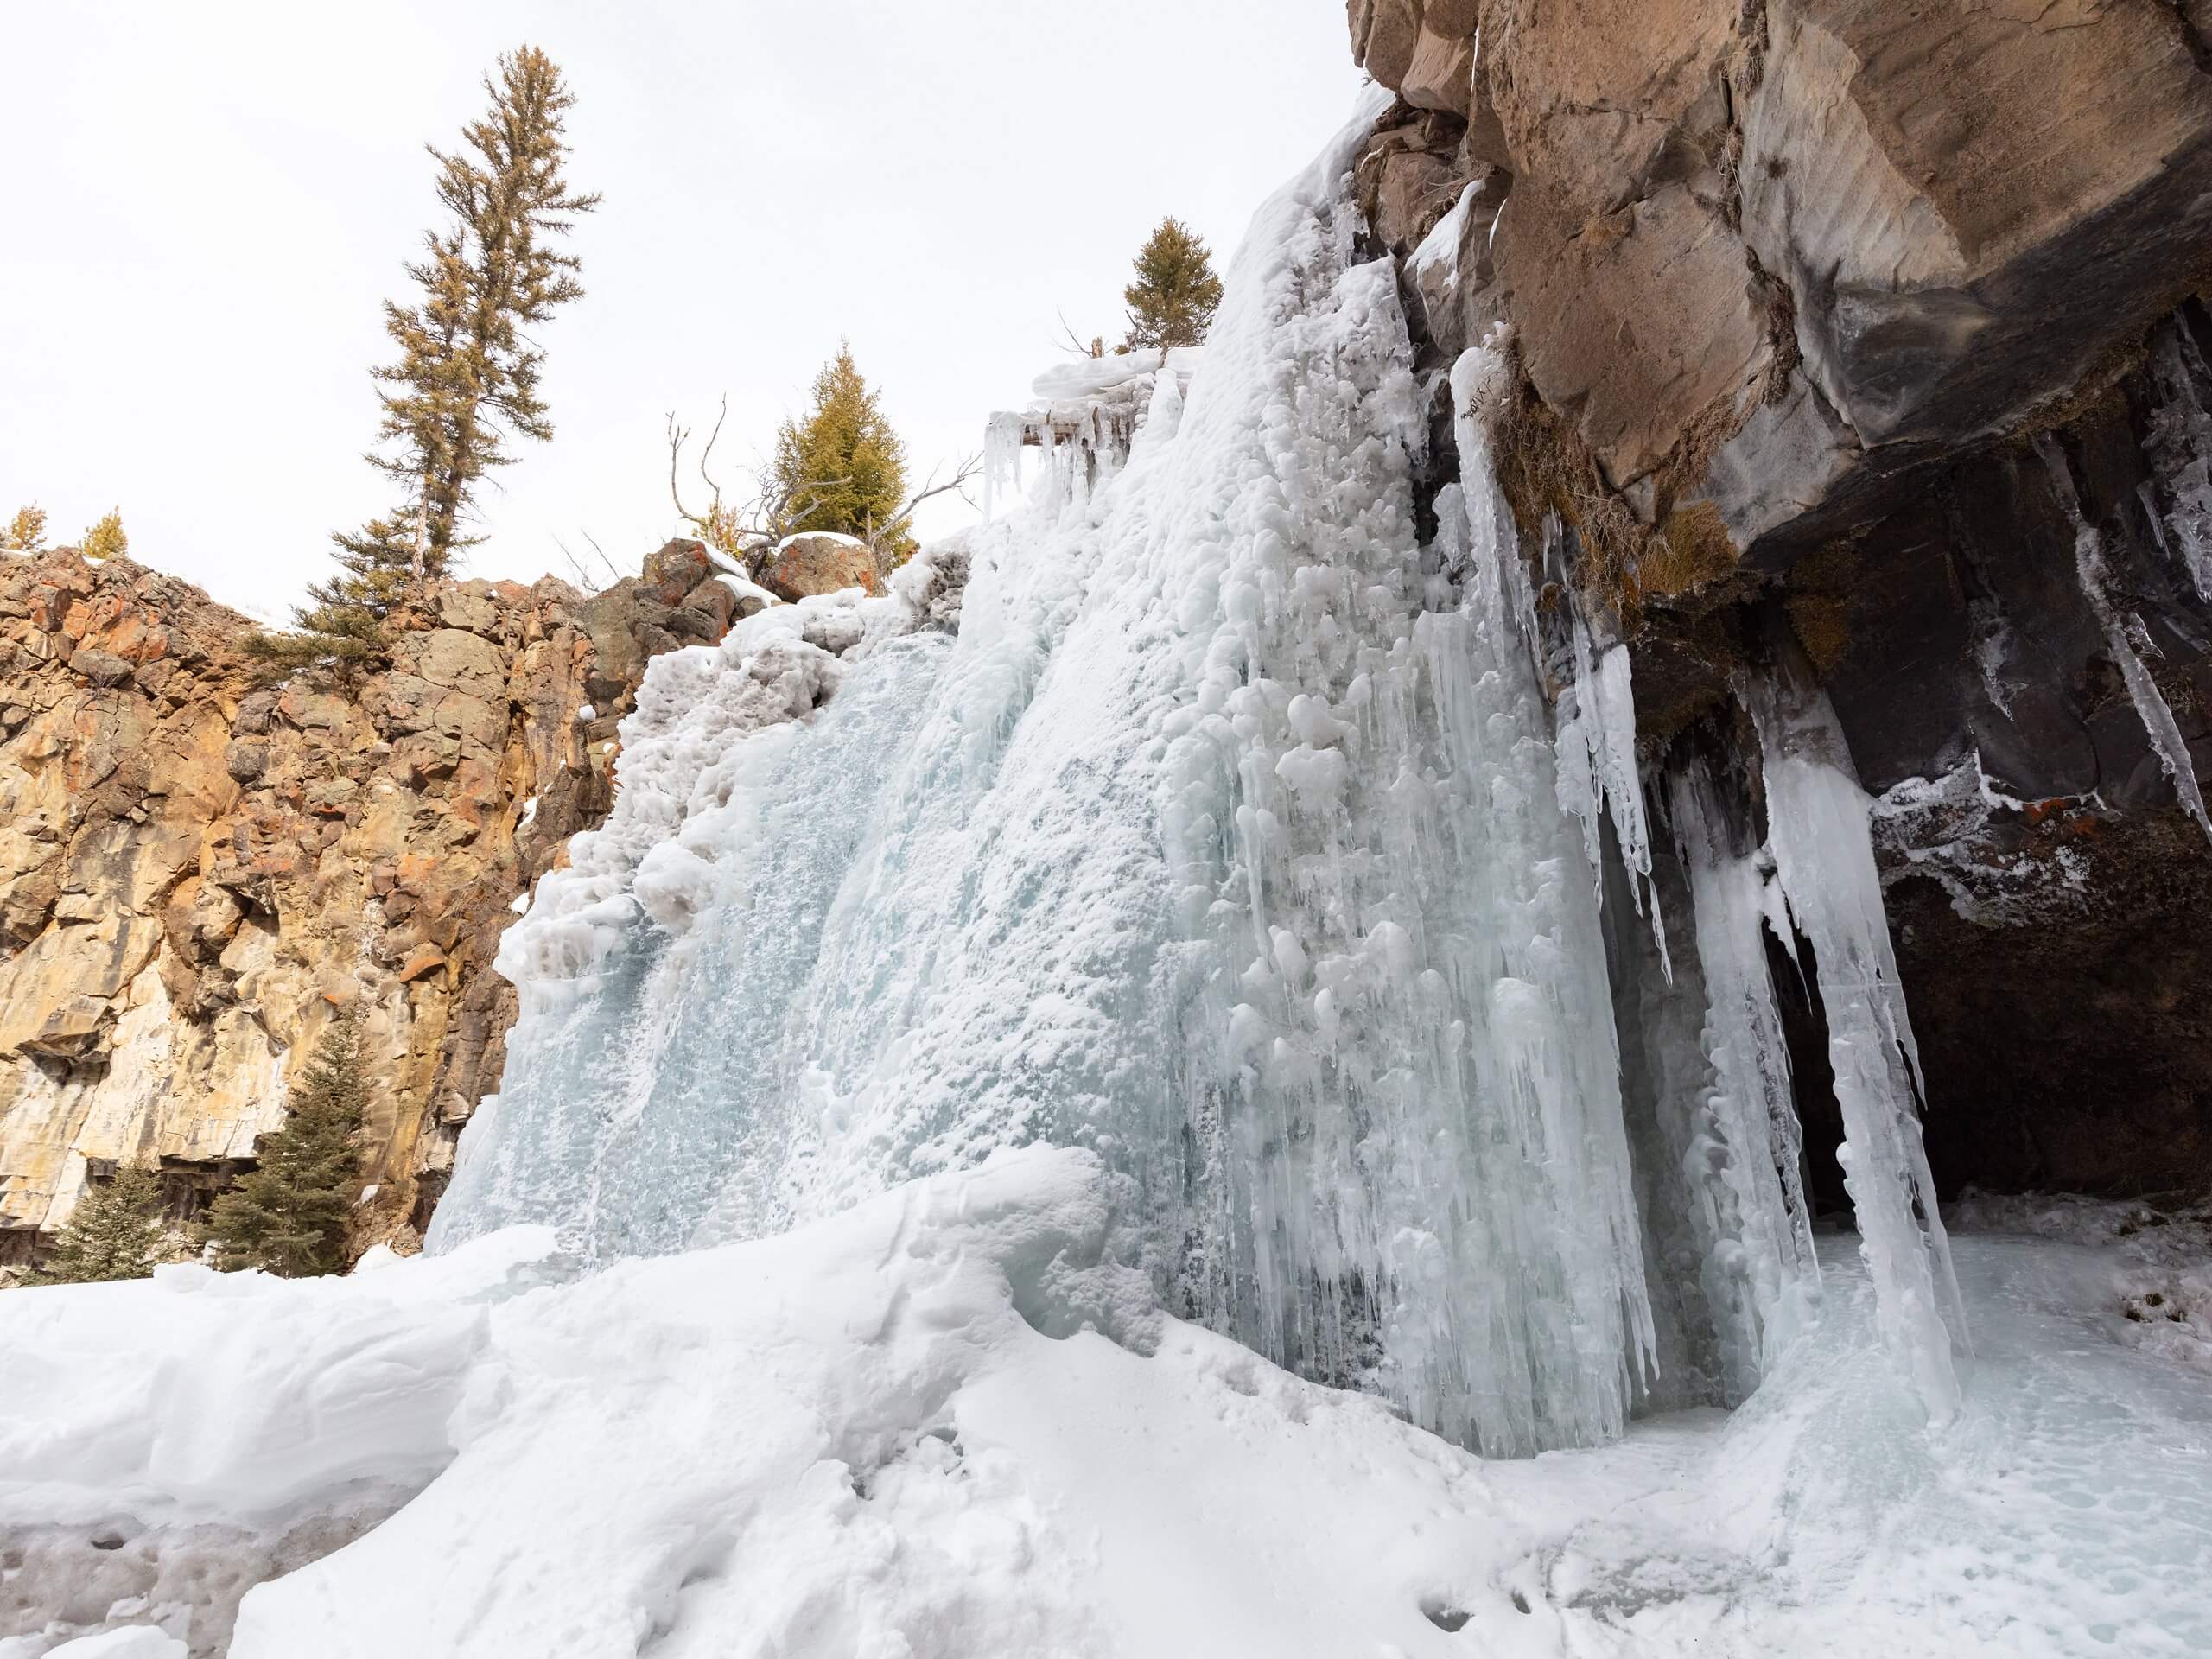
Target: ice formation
[[2125, 638], [1235, 836], [1824, 859], [2180, 442]]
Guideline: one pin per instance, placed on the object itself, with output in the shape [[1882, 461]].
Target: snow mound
[[1088, 377], [952, 1423]]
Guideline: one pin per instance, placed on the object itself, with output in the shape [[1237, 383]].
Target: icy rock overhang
[[1086, 419]]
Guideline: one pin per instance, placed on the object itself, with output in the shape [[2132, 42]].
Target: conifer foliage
[[1176, 293], [105, 539], [464, 386], [26, 531], [841, 468], [289, 1217], [114, 1232]]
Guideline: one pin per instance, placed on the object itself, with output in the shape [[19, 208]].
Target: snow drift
[[953, 1421]]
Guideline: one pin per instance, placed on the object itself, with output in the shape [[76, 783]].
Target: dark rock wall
[[1832, 315]]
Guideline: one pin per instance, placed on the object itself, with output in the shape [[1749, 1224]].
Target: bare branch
[[678, 436], [583, 576], [967, 469], [1096, 348], [722, 415], [611, 567]]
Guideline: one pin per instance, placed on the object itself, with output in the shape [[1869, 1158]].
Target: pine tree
[[114, 1233], [26, 531], [290, 1215], [1173, 299], [464, 384], [843, 469], [105, 539]]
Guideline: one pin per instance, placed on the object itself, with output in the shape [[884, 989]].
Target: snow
[[1088, 376], [745, 587], [131, 1641], [836, 536], [951, 1422]]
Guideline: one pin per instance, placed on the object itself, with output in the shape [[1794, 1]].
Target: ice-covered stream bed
[[948, 1424]]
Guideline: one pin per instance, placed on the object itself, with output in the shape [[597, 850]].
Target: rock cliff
[[195, 871], [1877, 333]]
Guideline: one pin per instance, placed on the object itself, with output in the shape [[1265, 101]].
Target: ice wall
[[1235, 836]]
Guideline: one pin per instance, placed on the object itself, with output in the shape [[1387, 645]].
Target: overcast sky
[[204, 205]]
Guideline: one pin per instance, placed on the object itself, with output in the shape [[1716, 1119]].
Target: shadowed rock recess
[[196, 872], [1876, 335]]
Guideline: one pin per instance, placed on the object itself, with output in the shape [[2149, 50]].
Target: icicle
[[1753, 1111], [1597, 763], [1003, 439], [2180, 447], [2151, 704], [1824, 856]]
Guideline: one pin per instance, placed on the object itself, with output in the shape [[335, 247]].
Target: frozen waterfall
[[1235, 833]]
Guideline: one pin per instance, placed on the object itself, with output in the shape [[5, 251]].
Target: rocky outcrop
[[800, 567], [1878, 330], [196, 870]]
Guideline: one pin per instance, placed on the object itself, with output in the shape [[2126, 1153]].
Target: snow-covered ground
[[950, 1424]]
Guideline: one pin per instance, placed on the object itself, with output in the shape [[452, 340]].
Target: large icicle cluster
[[1235, 837]]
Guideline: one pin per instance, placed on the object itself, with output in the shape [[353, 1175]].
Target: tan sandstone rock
[[196, 872]]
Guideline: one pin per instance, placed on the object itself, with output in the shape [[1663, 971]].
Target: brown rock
[[1639, 323], [1384, 36], [807, 565], [172, 944], [420, 961], [245, 762], [100, 667], [1440, 76]]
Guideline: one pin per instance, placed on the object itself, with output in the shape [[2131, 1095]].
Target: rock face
[[1881, 328], [802, 567], [196, 872]]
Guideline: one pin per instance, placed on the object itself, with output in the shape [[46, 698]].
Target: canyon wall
[[197, 870], [1877, 333]]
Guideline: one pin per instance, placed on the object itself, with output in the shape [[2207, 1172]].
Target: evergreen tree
[[1173, 299], [843, 469], [114, 1233], [105, 539], [464, 383], [26, 531], [290, 1215]]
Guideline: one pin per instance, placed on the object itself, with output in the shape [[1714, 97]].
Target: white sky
[[204, 205]]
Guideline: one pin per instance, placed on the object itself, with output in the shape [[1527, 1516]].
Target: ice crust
[[1237, 838]]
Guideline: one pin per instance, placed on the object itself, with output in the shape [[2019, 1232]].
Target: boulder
[[803, 566]]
